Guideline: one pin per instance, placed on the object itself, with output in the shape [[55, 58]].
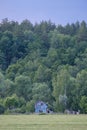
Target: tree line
[[45, 62]]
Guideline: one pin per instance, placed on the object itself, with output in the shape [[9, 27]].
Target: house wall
[[40, 107]]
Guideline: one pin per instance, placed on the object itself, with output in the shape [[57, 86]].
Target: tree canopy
[[43, 62]]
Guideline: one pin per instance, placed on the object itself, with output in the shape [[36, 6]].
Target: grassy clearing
[[43, 122]]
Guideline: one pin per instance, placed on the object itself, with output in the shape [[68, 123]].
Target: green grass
[[43, 122]]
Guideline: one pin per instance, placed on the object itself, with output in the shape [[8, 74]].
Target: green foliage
[[60, 86], [41, 91], [43, 62], [23, 87], [30, 106], [43, 74], [83, 104], [2, 109], [11, 102], [2, 85], [63, 102]]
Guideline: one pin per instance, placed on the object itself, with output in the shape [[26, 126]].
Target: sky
[[58, 11]]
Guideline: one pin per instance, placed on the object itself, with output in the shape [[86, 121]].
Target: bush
[[83, 104], [23, 109], [11, 102], [16, 110], [2, 109], [30, 106]]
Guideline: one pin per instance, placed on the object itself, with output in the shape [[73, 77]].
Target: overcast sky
[[58, 11]]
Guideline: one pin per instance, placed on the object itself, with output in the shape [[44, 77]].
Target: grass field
[[43, 122]]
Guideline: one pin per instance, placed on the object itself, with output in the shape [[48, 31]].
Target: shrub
[[2, 109]]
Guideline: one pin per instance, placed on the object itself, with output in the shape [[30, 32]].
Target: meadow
[[43, 122]]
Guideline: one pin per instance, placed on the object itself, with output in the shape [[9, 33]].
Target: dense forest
[[43, 62]]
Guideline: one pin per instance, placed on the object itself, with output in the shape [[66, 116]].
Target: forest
[[43, 62]]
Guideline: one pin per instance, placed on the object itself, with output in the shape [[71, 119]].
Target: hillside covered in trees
[[43, 62]]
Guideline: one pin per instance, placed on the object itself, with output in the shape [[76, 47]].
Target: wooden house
[[40, 106]]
